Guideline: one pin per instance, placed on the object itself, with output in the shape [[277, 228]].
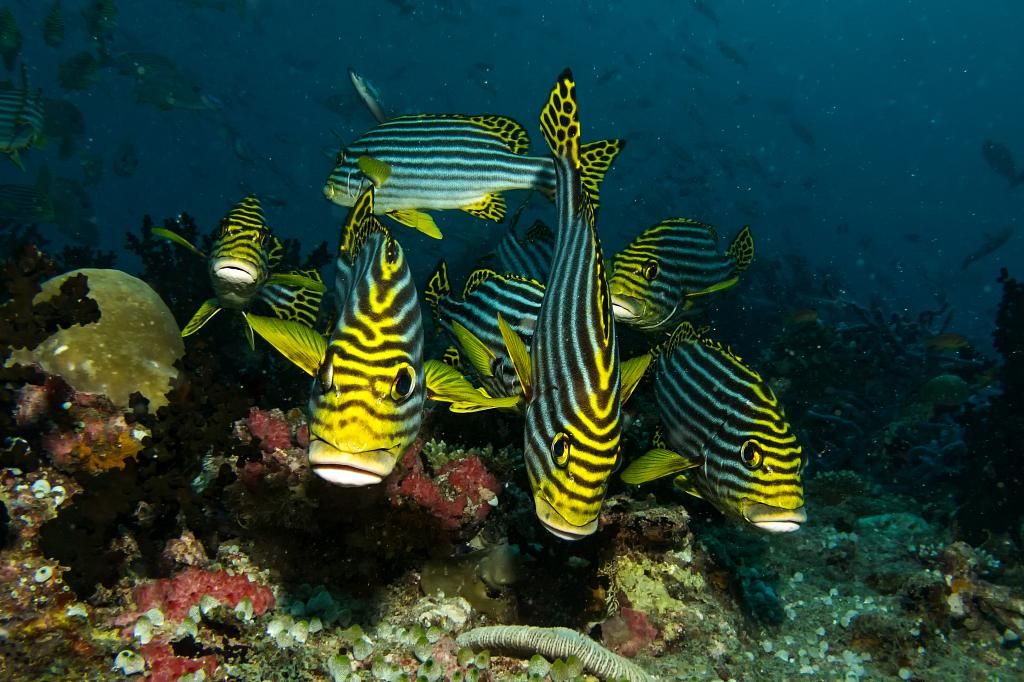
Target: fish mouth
[[557, 525], [774, 519], [350, 469], [234, 271], [627, 308]]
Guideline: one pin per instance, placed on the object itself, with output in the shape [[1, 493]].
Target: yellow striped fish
[[366, 401], [427, 162], [472, 323], [240, 265], [668, 270], [730, 442], [21, 118], [570, 376]]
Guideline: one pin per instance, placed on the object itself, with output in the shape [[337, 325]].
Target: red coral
[[271, 428], [166, 667], [101, 438], [458, 496], [175, 596], [628, 632]]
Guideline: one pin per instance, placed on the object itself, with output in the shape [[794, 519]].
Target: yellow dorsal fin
[[375, 170], [417, 220], [478, 355], [560, 119], [519, 356], [275, 251], [358, 225], [303, 346], [177, 239], [490, 207], [445, 384], [510, 131], [476, 278], [438, 287], [742, 249], [657, 463], [632, 371], [207, 310]]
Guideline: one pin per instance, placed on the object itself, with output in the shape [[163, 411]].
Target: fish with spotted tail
[[241, 264], [368, 389], [728, 440], [669, 269], [431, 162]]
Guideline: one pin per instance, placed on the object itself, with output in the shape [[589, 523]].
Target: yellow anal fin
[[375, 170], [519, 355], [657, 463], [446, 384], [177, 239], [686, 485], [301, 345], [490, 207], [207, 310], [595, 160], [508, 130], [417, 220], [479, 357], [632, 371], [741, 251]]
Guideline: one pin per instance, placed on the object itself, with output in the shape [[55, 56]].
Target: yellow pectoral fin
[[632, 371], [177, 239], [686, 485], [376, 170], [490, 207], [303, 346], [206, 311], [249, 336], [417, 220], [479, 357], [445, 384], [297, 279], [720, 286], [656, 463], [520, 356]]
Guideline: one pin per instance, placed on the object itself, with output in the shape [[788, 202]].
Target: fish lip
[[627, 308], [557, 525], [350, 469], [234, 271], [774, 519]]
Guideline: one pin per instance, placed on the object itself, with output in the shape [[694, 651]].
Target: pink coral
[[458, 496], [271, 428], [165, 666], [101, 438], [628, 632], [175, 596]]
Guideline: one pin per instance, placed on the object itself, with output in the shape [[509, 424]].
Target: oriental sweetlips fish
[[21, 118], [529, 255], [366, 400], [728, 438], [427, 162], [472, 323], [570, 376], [240, 263], [668, 268]]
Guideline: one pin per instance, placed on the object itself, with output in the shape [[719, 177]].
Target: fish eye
[[404, 383], [650, 270], [561, 447], [325, 375], [750, 454]]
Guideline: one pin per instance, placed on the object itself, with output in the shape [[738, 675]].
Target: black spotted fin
[[475, 279], [490, 207], [741, 251], [438, 287], [508, 130], [302, 346], [657, 463], [295, 296], [453, 359]]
